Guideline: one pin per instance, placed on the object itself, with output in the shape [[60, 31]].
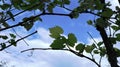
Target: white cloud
[[114, 3], [39, 58], [91, 41], [44, 35]]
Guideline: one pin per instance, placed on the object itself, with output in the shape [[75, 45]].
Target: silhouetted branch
[[19, 24], [23, 11], [42, 49], [18, 40], [74, 52]]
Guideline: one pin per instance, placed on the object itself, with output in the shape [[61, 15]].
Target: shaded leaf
[[58, 43], [89, 48], [74, 14], [11, 15], [5, 6], [99, 44], [12, 35], [102, 51], [116, 28], [3, 45], [3, 37], [117, 52], [4, 23], [118, 37], [12, 42], [80, 47], [107, 13], [96, 52], [89, 22]]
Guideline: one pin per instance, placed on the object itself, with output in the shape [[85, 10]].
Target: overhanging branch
[[74, 52], [18, 40], [19, 24]]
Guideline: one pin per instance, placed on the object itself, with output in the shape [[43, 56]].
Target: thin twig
[[93, 39], [19, 36], [42, 49], [100, 60]]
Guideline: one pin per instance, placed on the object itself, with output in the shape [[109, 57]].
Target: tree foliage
[[106, 18]]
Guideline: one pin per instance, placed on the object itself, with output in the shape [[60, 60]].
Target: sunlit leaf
[[71, 39], [55, 31]]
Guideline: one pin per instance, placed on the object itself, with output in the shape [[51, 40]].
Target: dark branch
[[74, 52], [42, 49], [81, 55], [24, 11], [19, 24], [18, 40]]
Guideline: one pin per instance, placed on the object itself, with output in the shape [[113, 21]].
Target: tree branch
[[112, 58], [90, 12], [18, 40], [19, 24], [74, 52], [42, 49], [23, 11]]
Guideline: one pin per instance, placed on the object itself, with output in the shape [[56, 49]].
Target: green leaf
[[102, 51], [58, 43], [12, 35], [80, 47], [28, 25], [118, 37], [3, 45], [3, 37], [96, 52], [55, 31], [12, 42], [4, 23], [107, 13], [89, 48], [116, 28], [74, 14], [11, 15], [5, 6], [113, 40], [50, 7], [99, 44], [71, 39], [16, 3], [98, 5], [102, 23], [28, 22], [90, 22], [117, 52], [66, 2]]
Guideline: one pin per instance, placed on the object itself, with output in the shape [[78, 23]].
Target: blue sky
[[77, 26]]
